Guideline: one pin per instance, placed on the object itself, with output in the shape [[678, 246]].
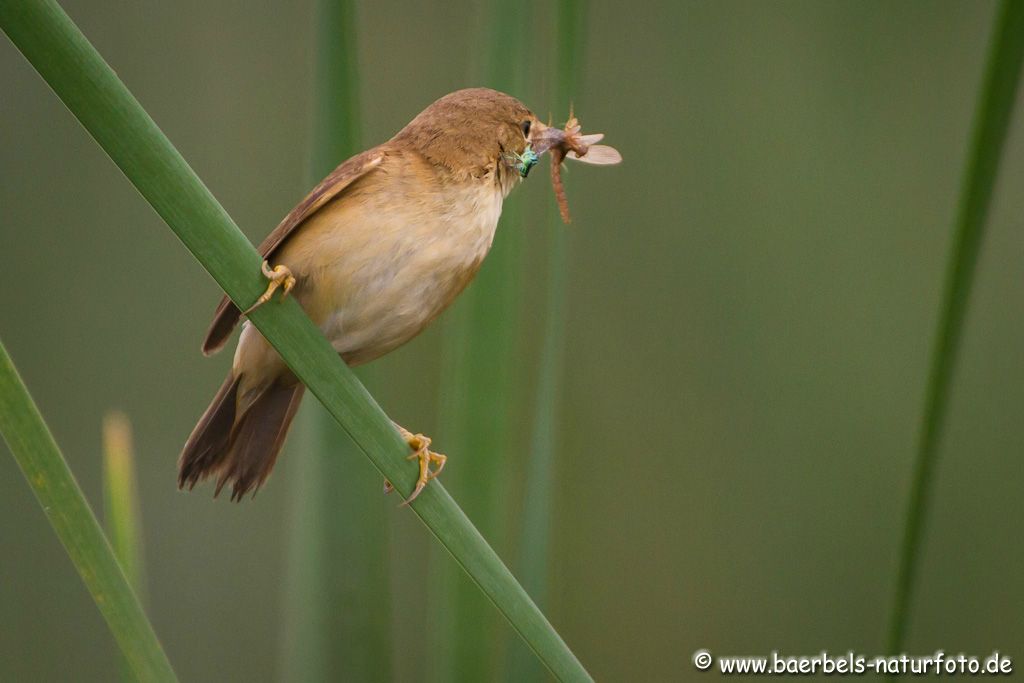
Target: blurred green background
[[751, 306]]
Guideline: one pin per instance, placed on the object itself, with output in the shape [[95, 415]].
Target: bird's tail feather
[[239, 448]]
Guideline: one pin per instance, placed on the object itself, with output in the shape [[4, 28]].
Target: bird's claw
[[421, 451], [279, 276]]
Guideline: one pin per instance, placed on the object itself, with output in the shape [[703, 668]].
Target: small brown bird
[[375, 252]]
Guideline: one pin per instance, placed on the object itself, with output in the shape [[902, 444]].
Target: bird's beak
[[570, 143], [542, 138]]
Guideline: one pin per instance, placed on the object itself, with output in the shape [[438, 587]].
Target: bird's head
[[477, 133]]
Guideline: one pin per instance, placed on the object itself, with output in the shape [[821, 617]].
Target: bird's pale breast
[[378, 264]]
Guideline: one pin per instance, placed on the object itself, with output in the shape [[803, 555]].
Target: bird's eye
[[525, 125]]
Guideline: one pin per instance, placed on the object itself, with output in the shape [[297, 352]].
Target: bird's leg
[[279, 276], [421, 451]]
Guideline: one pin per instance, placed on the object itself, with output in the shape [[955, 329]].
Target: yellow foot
[[279, 276], [420, 446]]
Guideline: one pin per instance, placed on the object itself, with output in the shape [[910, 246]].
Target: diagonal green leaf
[[72, 519], [992, 119], [71, 66]]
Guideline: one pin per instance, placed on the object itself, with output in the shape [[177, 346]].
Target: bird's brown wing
[[227, 314]]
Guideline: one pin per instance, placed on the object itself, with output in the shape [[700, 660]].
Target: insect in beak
[[522, 163], [542, 138], [569, 142]]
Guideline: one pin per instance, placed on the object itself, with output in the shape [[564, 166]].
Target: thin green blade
[[86, 84], [481, 390], [337, 624], [121, 509], [992, 120], [72, 519]]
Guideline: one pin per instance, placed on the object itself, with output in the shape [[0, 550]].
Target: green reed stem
[[481, 384], [43, 465], [535, 538], [121, 510], [337, 624], [71, 66], [992, 119]]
